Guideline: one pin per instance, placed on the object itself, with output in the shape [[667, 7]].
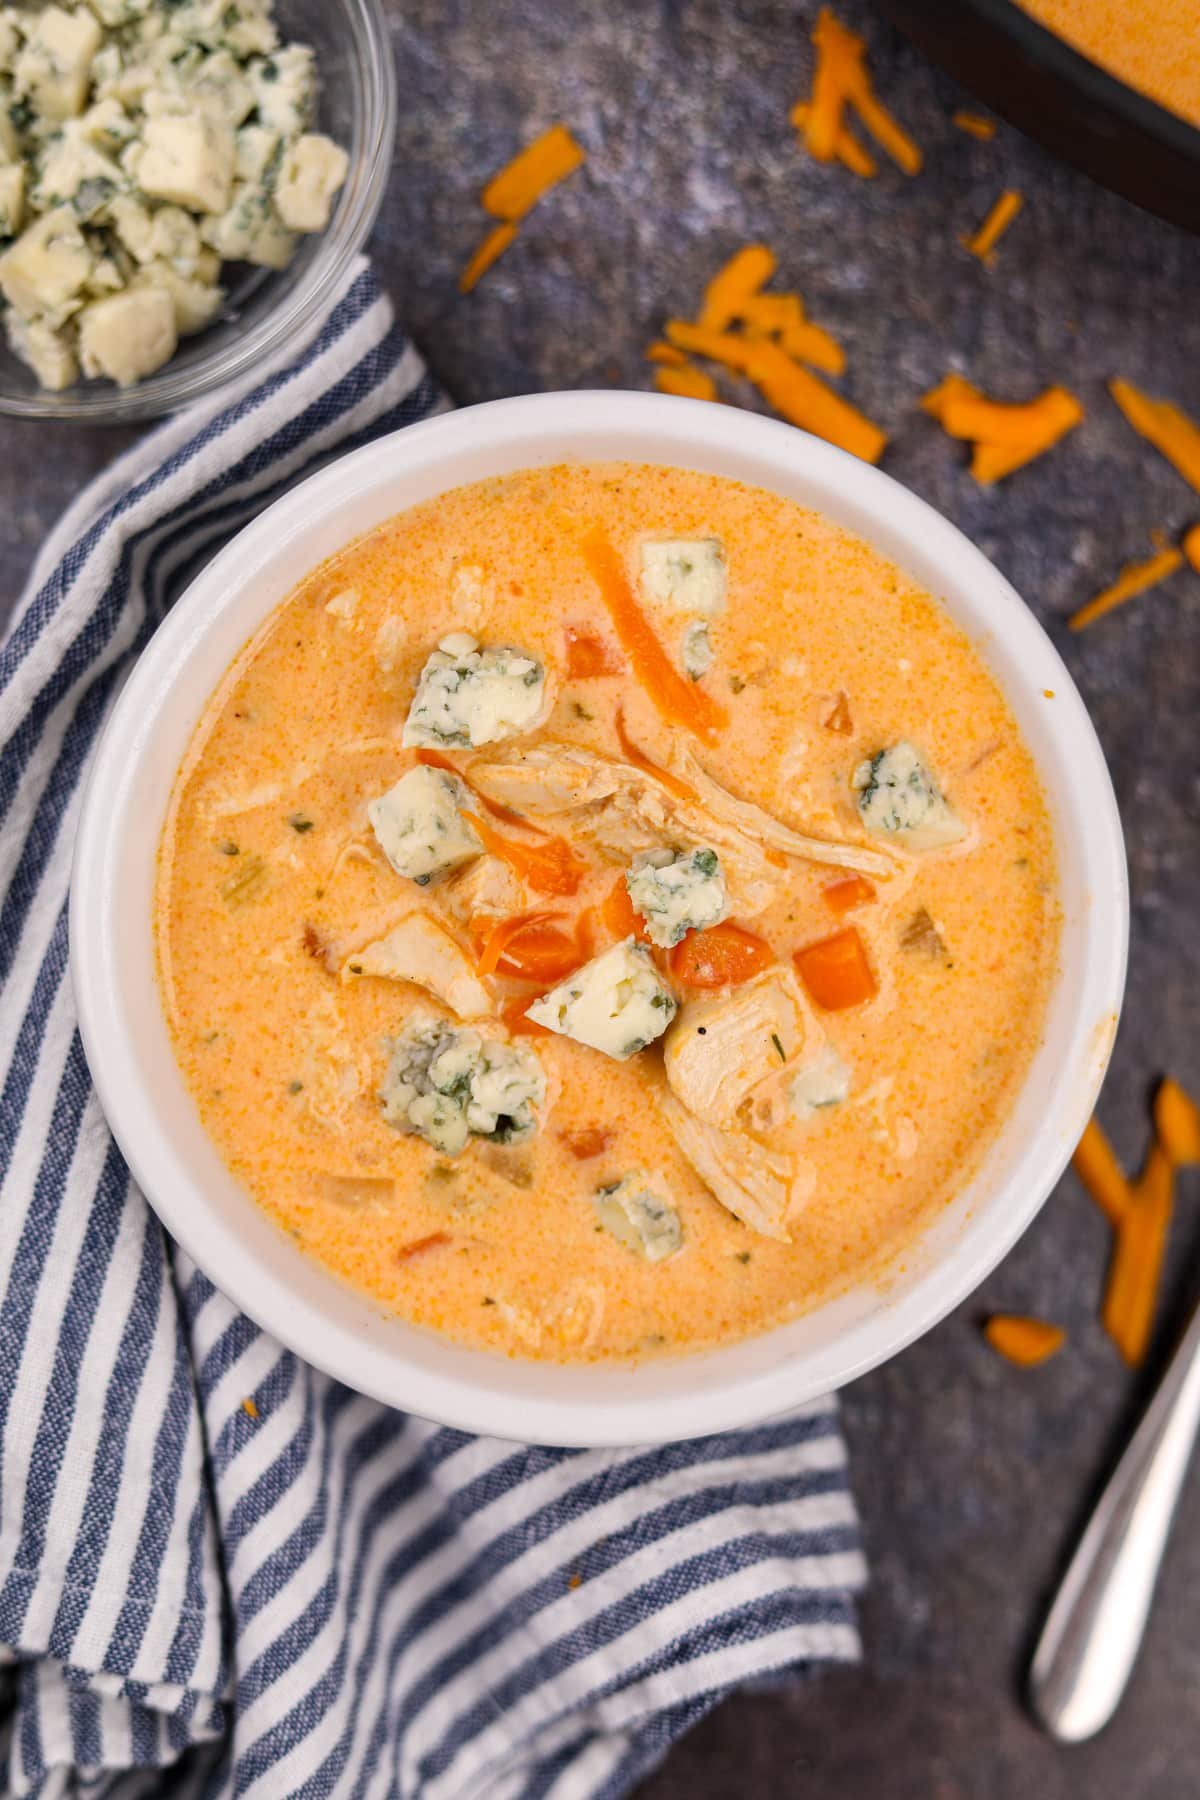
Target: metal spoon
[[1090, 1641]]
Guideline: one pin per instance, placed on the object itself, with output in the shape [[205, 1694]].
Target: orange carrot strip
[[513, 1015], [1133, 1280], [493, 246], [984, 241], [674, 784], [741, 277], [666, 354], [975, 125], [1024, 1341], [1163, 425], [420, 1246], [550, 867], [501, 936], [1095, 1163], [689, 383], [1177, 1122], [1191, 546], [849, 152], [850, 892], [676, 698], [535, 169], [835, 971], [1134, 578]]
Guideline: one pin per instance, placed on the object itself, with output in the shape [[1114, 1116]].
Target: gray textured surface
[[968, 1473]]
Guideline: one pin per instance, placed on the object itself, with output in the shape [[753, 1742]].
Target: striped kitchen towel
[[307, 1594]]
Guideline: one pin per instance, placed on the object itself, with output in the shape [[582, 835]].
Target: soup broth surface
[[273, 887]]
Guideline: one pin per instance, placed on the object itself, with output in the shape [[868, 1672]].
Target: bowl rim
[[482, 1400], [299, 306]]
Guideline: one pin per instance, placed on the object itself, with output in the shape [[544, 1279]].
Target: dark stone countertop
[[969, 1473]]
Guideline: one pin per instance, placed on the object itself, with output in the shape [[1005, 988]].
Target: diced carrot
[[838, 717], [687, 383], [676, 698], [1024, 1341], [666, 355], [541, 953], [588, 1142], [1134, 578], [736, 282], [1096, 1165], [845, 895], [435, 1240], [589, 656], [1177, 1122], [1133, 1279], [489, 251], [1165, 426], [621, 919], [983, 242], [550, 866], [975, 125], [518, 187], [836, 972], [633, 753], [724, 956]]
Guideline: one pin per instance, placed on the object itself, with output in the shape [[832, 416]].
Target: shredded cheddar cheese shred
[[847, 150], [1139, 1213], [1134, 579], [688, 381], [975, 125], [1024, 1341], [733, 285], [1191, 547], [984, 241], [840, 79], [1163, 425], [1005, 437], [516, 190]]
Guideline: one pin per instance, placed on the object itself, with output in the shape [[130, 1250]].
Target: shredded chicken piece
[[757, 1185], [625, 809], [421, 951], [486, 889], [718, 1050]]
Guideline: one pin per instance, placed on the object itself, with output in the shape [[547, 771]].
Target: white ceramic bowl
[[155, 1121]]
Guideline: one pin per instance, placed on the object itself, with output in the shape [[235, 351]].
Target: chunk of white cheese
[[189, 161], [128, 335], [638, 1217], [195, 303], [75, 171], [467, 696], [697, 650], [310, 173], [419, 826], [899, 797], [42, 274], [448, 1085], [52, 68], [617, 1003], [685, 575], [12, 199], [283, 86], [250, 230], [823, 1082], [677, 891], [256, 151], [45, 350]]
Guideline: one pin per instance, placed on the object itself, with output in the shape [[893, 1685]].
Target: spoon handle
[[1090, 1640]]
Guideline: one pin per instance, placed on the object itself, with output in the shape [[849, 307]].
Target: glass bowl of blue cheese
[[183, 186]]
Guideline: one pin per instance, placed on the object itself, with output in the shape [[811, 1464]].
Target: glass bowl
[[265, 309]]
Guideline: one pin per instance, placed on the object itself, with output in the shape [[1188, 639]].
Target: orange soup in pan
[[605, 911], [1150, 45]]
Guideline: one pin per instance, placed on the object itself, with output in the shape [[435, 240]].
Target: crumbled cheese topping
[[685, 575], [898, 796], [617, 1003], [638, 1217], [449, 1085], [420, 827], [677, 891], [468, 695]]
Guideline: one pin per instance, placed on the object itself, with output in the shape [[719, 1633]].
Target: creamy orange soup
[[836, 822], [1151, 45]]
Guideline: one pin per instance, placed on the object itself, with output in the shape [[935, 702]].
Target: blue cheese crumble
[[179, 136], [677, 891], [684, 575], [449, 1085], [419, 824], [638, 1217], [467, 695], [617, 1003], [824, 1082], [899, 797]]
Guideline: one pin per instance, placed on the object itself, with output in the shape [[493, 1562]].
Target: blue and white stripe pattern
[[313, 1595]]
